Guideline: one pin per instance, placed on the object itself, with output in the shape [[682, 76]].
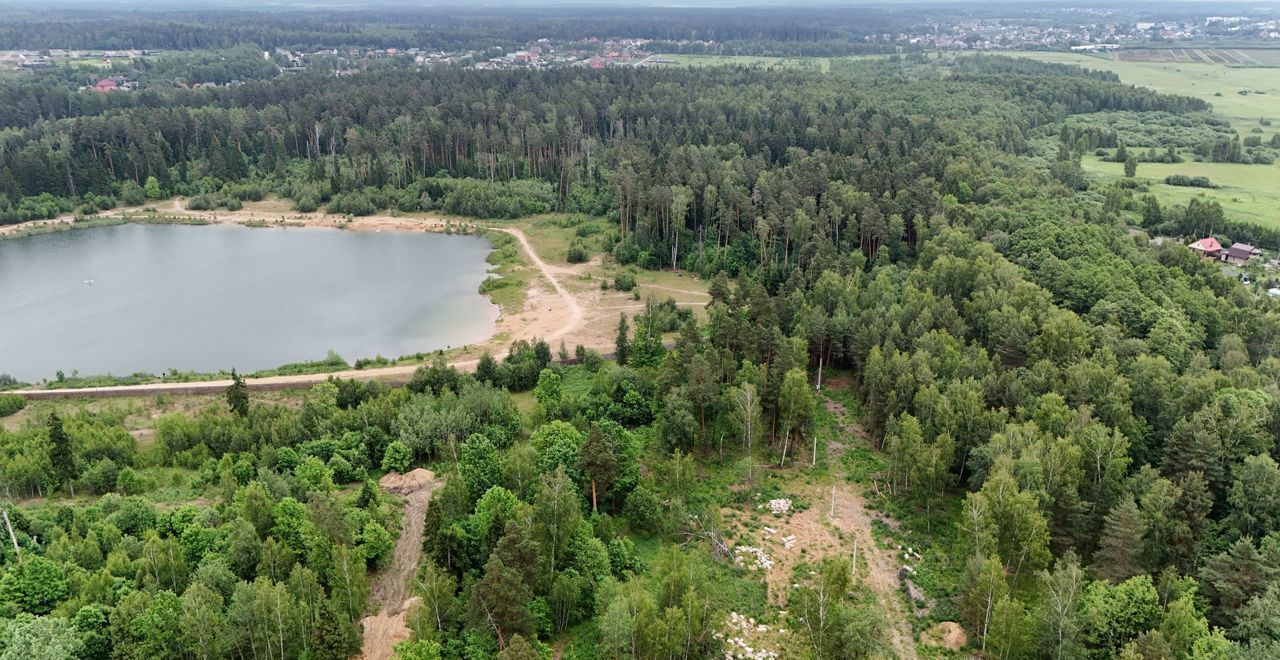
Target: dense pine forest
[[1076, 426]]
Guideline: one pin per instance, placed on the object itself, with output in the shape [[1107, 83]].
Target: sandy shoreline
[[559, 305]]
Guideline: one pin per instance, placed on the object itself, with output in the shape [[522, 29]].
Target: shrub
[[624, 281], [578, 253], [129, 482], [397, 457], [101, 476], [344, 472], [643, 510], [1189, 181], [351, 204], [306, 203], [10, 404]]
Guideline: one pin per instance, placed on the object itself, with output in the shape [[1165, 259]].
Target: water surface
[[151, 298]]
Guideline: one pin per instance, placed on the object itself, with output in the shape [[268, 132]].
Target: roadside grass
[[1248, 192]]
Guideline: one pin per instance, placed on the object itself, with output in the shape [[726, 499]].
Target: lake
[[132, 298]]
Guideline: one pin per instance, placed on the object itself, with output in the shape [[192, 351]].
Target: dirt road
[[390, 596], [881, 569]]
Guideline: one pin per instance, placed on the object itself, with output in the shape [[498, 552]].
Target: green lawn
[[1248, 192]]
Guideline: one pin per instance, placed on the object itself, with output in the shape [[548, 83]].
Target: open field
[[1248, 192], [820, 63], [1228, 56], [1219, 84]]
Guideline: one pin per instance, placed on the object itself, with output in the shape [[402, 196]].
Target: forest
[[795, 31], [1076, 426]]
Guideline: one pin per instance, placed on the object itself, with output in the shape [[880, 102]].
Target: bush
[[397, 457], [10, 404], [644, 510], [1189, 181], [131, 193], [624, 281], [344, 472], [129, 482], [101, 476], [578, 253], [351, 204], [307, 203]]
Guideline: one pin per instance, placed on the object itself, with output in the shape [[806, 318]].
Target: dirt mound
[[411, 482], [947, 634], [382, 631]]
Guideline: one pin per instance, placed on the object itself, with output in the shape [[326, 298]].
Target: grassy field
[[820, 63], [1249, 192], [1219, 84]]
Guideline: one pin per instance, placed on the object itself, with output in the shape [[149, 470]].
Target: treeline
[[812, 31], [713, 169]]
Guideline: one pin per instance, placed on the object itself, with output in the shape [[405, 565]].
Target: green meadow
[[1247, 192], [1219, 84]]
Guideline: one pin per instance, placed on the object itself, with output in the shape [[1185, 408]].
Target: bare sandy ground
[[390, 599], [559, 305]]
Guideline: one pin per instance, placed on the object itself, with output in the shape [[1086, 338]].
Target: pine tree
[[60, 454], [622, 345], [238, 395], [519, 649], [335, 636], [599, 463], [1117, 556], [500, 602]]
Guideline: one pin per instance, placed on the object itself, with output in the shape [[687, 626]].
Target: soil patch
[[390, 595], [947, 634]]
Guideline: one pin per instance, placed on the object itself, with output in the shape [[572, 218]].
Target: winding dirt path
[[569, 301], [389, 597]]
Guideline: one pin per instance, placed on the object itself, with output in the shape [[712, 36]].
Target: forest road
[[881, 571], [390, 597], [853, 519]]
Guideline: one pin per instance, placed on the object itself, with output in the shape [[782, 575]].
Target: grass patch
[[1219, 84], [1249, 193], [505, 286], [822, 64]]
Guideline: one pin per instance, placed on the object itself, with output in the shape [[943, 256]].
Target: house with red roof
[[1208, 248]]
